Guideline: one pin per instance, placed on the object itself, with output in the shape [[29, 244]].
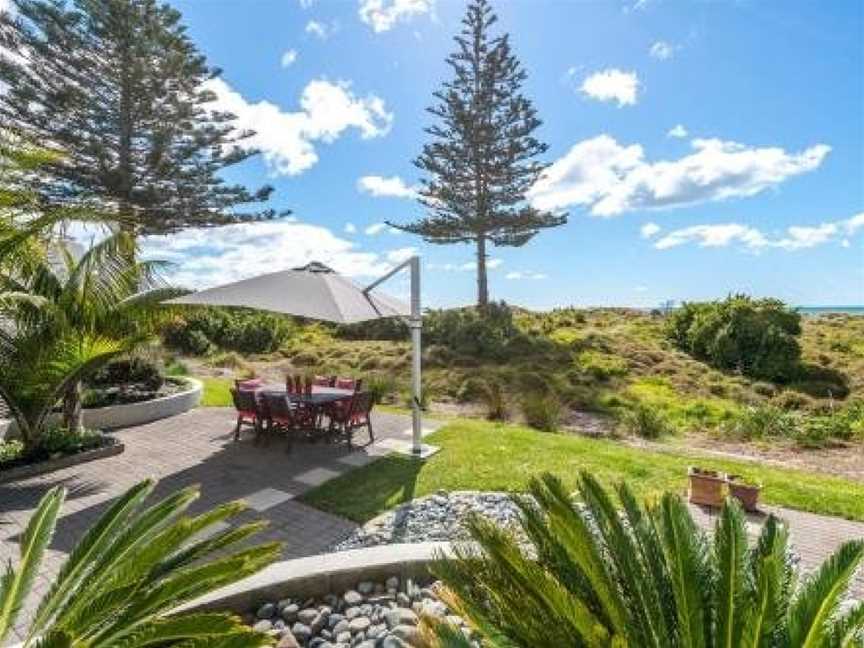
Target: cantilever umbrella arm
[[415, 323]]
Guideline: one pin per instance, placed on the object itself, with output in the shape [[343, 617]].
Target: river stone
[[266, 611], [289, 612], [263, 625], [307, 616], [360, 624], [366, 587], [287, 641], [301, 632], [392, 583], [343, 637], [340, 627], [401, 616], [352, 597]]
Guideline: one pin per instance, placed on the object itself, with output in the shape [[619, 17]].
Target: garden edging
[[114, 447], [132, 414], [315, 576]]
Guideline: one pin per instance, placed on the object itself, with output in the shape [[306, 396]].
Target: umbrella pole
[[416, 326]]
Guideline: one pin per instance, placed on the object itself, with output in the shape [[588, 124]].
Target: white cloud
[[795, 237], [208, 257], [380, 186], [306, 4], [288, 58], [678, 131], [350, 228], [662, 50], [612, 85], [400, 255], [492, 263], [525, 275], [377, 228], [649, 229], [611, 179], [6, 5], [320, 30], [382, 15], [287, 139], [641, 289]]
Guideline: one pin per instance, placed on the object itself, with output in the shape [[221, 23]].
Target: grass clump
[[542, 411], [646, 422], [54, 442]]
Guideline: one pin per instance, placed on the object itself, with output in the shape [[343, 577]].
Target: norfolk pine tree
[[116, 87], [481, 158]]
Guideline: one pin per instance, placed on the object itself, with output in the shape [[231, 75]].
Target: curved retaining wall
[[131, 414], [316, 576]]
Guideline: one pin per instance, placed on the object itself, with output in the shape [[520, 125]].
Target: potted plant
[[706, 486], [746, 493]]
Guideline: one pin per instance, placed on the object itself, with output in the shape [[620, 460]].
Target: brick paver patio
[[197, 448]]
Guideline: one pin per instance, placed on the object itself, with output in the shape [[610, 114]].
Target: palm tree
[[65, 318], [644, 577], [130, 571]]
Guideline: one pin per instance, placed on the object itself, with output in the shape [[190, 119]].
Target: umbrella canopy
[[313, 291]]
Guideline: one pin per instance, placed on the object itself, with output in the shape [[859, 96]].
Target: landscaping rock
[[381, 618]]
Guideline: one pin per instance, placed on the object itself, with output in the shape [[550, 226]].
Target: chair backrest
[[298, 384], [289, 384], [362, 403], [250, 384], [307, 387], [346, 383], [277, 406], [244, 401]]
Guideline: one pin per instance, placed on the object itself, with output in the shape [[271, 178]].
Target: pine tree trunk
[[73, 416], [482, 283]]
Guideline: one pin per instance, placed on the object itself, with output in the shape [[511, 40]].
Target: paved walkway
[[197, 448]]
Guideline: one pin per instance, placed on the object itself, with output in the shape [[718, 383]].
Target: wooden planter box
[[747, 494], [707, 487]]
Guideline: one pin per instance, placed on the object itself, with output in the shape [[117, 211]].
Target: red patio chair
[[250, 384], [247, 411], [344, 420], [346, 383], [282, 416]]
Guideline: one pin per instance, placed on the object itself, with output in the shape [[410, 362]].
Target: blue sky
[[700, 148]]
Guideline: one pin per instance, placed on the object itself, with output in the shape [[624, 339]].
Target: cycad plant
[[120, 584], [642, 576], [65, 318]]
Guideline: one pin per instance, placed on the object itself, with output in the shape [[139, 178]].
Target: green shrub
[[468, 331], [381, 386], [613, 571], [762, 422], [226, 360], [646, 421], [176, 368], [198, 330], [495, 399], [54, 441], [757, 337], [134, 370], [542, 411]]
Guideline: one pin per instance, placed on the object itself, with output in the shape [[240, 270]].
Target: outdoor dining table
[[319, 397]]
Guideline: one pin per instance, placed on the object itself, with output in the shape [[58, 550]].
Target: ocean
[[825, 310]]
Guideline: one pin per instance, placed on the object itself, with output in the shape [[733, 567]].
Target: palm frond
[[690, 570], [15, 583], [817, 600], [94, 543], [733, 584]]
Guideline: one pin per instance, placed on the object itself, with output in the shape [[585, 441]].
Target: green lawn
[[216, 392], [478, 455]]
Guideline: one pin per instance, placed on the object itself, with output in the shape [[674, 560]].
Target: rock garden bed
[[438, 517], [371, 615]]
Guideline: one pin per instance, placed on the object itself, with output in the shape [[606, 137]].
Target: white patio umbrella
[[315, 291]]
